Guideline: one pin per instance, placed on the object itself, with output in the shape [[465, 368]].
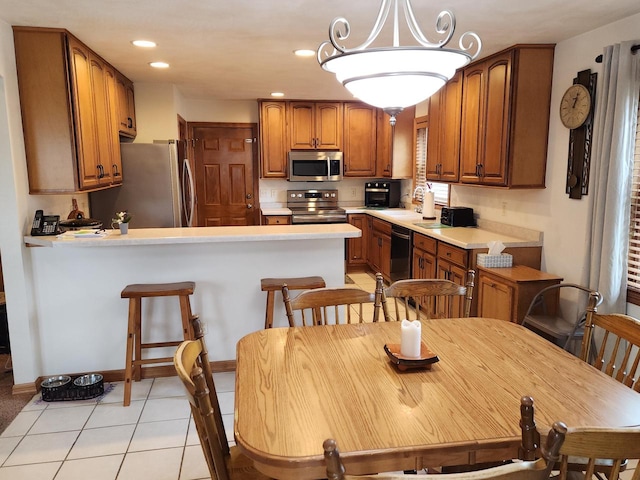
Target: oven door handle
[[397, 234]]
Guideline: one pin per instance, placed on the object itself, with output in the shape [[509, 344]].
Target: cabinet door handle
[[129, 122], [116, 173]]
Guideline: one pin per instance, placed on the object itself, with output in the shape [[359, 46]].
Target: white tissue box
[[495, 261]]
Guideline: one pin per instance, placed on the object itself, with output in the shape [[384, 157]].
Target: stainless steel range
[[315, 206]]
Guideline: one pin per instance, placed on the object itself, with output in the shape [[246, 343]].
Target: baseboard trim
[[118, 375]]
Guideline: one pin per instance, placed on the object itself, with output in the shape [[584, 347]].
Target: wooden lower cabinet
[[276, 220], [505, 293], [423, 262], [452, 265], [357, 247], [379, 247]]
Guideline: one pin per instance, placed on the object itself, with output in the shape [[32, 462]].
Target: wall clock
[[576, 113], [575, 106]]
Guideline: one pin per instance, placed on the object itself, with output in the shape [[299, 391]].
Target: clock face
[[575, 106]]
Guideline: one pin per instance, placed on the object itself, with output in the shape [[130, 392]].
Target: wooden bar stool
[[135, 294], [271, 285]]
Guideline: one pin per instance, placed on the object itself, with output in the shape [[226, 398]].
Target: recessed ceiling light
[[144, 43], [159, 64], [305, 53], [277, 94]]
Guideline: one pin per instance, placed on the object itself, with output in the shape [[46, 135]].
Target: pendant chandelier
[[395, 77]]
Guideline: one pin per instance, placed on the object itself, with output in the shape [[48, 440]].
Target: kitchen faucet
[[418, 208]]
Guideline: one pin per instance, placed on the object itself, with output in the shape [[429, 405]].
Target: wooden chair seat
[[191, 362], [273, 285]]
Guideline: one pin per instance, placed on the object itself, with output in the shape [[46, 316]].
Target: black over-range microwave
[[315, 166]]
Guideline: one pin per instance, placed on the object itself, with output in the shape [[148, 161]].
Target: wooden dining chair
[[427, 298], [322, 306], [528, 469], [191, 361], [597, 447], [611, 343], [545, 316]]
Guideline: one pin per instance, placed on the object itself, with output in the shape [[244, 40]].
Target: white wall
[[563, 220]]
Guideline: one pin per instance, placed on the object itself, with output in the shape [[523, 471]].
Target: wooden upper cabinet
[[443, 141], [113, 115], [273, 139], [395, 145], [505, 118], [126, 107], [71, 142], [87, 132], [315, 125], [359, 140]]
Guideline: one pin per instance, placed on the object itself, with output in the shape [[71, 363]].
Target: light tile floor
[[99, 439]]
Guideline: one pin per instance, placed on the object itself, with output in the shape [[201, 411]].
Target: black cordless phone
[[45, 224]]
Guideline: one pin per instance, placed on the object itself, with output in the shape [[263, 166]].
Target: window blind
[[441, 190], [633, 276]]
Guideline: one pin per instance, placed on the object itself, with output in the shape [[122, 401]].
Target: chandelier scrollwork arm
[[469, 41], [445, 25]]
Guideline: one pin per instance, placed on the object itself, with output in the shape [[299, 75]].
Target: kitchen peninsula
[[82, 321]]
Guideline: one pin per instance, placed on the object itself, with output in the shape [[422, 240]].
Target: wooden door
[[226, 174], [496, 121], [88, 170], [359, 140], [472, 104]]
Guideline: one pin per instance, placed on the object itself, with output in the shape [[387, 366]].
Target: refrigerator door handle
[[188, 203]]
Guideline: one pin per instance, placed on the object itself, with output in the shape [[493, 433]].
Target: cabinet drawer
[[277, 220], [455, 255], [422, 242], [381, 226]]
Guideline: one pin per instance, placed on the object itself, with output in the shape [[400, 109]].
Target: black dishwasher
[[400, 253]]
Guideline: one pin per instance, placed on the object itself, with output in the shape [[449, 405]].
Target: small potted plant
[[121, 219]]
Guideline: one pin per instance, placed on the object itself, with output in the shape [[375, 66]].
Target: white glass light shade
[[395, 77]]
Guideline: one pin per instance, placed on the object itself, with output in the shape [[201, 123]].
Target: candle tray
[[427, 357]]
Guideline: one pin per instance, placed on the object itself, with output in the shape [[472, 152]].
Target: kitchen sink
[[431, 225]]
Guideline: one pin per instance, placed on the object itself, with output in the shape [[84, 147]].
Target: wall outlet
[[504, 208], [274, 193], [354, 192]]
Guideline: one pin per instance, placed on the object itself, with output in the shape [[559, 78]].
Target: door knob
[[249, 196], [249, 206]]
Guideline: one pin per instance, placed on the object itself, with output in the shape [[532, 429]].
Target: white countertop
[[164, 236], [464, 237]]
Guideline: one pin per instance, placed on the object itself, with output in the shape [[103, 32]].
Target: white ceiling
[[242, 49]]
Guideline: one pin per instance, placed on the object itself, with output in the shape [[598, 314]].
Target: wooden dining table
[[296, 387]]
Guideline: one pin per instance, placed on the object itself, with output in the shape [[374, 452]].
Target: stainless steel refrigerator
[[157, 188]]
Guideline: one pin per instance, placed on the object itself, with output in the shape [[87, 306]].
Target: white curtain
[[611, 169]]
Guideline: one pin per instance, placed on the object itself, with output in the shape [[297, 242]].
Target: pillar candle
[[410, 339]]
